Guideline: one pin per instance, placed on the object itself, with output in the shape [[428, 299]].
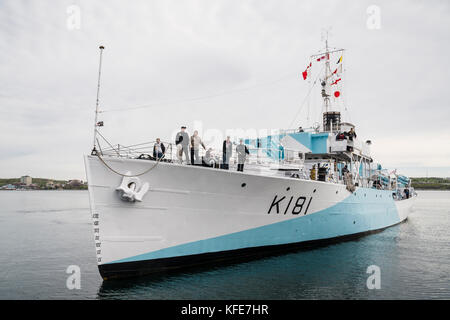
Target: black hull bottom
[[166, 265]]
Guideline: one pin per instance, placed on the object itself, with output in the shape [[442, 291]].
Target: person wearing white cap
[[242, 152]]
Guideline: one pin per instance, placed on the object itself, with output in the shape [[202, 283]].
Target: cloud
[[171, 51]]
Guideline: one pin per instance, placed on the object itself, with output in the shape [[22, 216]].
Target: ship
[[300, 188]]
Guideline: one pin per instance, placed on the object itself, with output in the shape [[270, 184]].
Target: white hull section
[[190, 210]]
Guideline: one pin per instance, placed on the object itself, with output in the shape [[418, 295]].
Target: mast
[[325, 95], [97, 101], [331, 118]]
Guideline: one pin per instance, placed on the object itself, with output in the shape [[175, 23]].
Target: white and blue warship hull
[[193, 215]]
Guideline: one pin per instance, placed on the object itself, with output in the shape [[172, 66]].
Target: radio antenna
[[96, 124]]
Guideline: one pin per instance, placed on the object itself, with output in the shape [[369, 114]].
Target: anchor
[[131, 189]]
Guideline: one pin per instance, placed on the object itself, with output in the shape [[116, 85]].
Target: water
[[44, 232]]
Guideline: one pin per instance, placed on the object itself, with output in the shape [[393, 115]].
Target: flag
[[337, 80], [100, 124], [305, 73], [338, 70], [340, 60], [321, 58]]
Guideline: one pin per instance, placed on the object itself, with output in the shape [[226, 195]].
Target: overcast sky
[[244, 57]]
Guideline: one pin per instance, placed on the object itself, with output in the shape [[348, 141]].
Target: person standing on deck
[[158, 149], [351, 134], [242, 152], [182, 139], [196, 142], [406, 193], [227, 152]]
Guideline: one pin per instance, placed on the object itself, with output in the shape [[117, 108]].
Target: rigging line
[[212, 96], [309, 104], [305, 99], [98, 132], [344, 88]]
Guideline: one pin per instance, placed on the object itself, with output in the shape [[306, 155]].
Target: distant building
[[27, 180], [8, 187]]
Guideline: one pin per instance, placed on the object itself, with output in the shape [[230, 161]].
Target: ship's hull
[[193, 215]]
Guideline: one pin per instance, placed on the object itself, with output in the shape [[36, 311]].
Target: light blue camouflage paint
[[362, 211]]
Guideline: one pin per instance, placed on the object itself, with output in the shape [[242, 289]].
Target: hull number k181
[[301, 205]]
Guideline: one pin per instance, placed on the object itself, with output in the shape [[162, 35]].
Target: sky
[[217, 65]]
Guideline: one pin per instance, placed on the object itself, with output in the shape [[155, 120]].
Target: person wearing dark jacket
[[242, 152], [158, 149], [406, 193], [351, 134], [227, 152]]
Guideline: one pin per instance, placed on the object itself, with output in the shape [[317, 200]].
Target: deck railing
[[259, 157], [145, 151]]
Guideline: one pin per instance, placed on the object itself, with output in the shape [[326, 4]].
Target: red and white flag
[[338, 70], [305, 73], [336, 82], [321, 58]]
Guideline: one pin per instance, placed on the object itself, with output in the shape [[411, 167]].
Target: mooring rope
[[126, 175]]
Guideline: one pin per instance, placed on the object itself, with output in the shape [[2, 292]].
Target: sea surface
[[42, 233]]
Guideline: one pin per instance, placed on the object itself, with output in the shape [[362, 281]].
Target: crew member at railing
[[208, 159], [312, 173], [227, 153], [196, 142], [242, 152], [351, 134], [406, 193], [158, 149], [344, 170], [182, 139]]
